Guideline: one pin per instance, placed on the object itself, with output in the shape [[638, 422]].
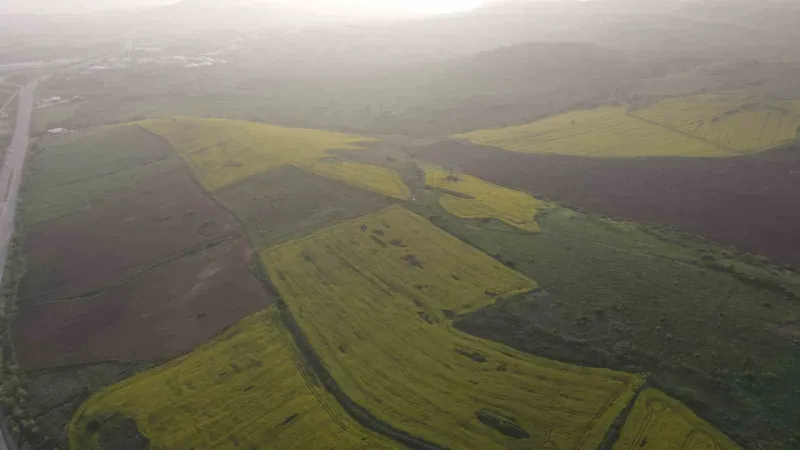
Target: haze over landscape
[[452, 224], [340, 7]]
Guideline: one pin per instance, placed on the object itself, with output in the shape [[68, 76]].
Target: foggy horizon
[[386, 224], [336, 7]]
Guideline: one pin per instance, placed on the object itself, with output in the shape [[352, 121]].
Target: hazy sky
[[337, 6]]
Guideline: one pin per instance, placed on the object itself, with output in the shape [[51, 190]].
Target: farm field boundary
[[222, 152], [338, 257], [163, 405]]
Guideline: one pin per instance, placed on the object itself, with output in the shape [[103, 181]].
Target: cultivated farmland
[[222, 152], [734, 120], [661, 423], [710, 325], [376, 296], [66, 173], [602, 132], [81, 252], [162, 313], [752, 201], [288, 202], [244, 389], [126, 258], [374, 178], [472, 198]]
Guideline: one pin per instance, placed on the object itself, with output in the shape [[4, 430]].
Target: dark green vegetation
[[54, 395], [712, 326], [288, 202]]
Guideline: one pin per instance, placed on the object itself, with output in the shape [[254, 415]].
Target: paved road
[[11, 171], [10, 178]]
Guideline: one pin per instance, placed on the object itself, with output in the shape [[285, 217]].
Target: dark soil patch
[[502, 424], [124, 231], [289, 419], [120, 433], [427, 317], [160, 314], [472, 354], [412, 260], [752, 202], [789, 330], [379, 241], [288, 202]]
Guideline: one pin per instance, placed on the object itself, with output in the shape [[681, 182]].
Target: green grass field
[[602, 132], [659, 422], [637, 298], [65, 173], [222, 152], [479, 199], [53, 116], [734, 120], [245, 389], [288, 203], [376, 297]]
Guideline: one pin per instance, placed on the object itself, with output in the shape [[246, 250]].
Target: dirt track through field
[[751, 202]]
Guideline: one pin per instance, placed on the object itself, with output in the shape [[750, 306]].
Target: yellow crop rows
[[735, 120], [242, 390], [373, 178], [375, 297], [658, 422], [602, 132], [222, 152], [480, 199]]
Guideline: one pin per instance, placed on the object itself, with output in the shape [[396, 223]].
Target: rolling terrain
[[472, 198], [375, 297], [536, 225], [336, 271], [246, 388], [746, 201], [222, 152], [699, 126]]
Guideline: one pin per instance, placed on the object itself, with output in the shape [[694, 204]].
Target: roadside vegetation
[[376, 296], [661, 423], [472, 198], [118, 255], [244, 389]]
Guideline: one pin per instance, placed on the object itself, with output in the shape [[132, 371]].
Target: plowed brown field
[[752, 202], [121, 233], [159, 314]]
